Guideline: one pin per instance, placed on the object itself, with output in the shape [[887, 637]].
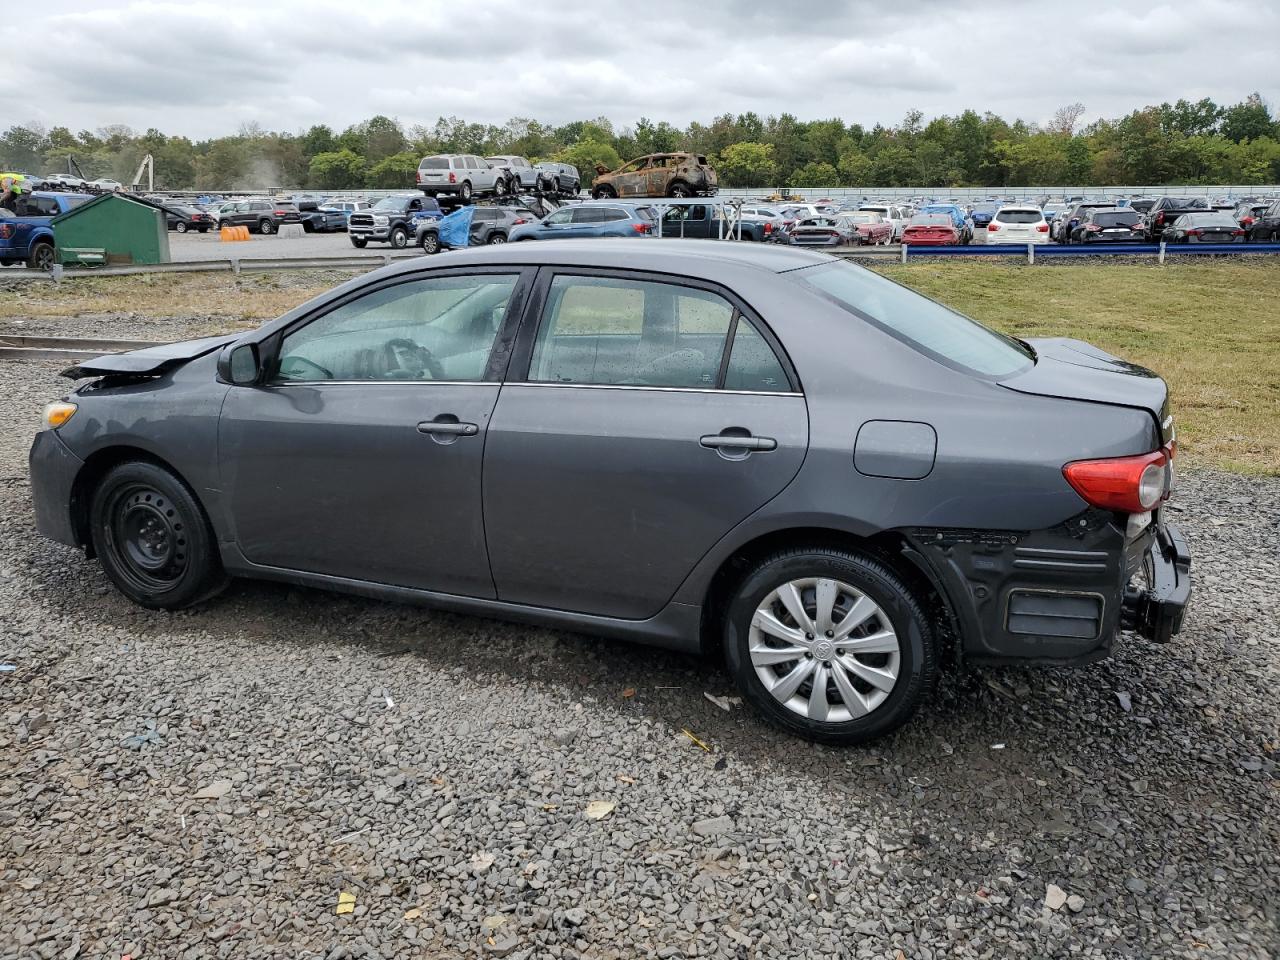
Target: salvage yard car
[[747, 449], [461, 175], [657, 175], [391, 220]]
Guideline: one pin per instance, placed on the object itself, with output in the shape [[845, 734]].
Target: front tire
[[605, 192], [153, 538], [829, 645], [359, 242]]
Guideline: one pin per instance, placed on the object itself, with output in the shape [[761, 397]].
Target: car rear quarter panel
[[999, 457]]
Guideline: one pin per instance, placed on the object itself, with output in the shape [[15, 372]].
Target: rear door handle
[[720, 441]]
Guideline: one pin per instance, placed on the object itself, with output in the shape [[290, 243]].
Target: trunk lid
[[1076, 370], [149, 362]]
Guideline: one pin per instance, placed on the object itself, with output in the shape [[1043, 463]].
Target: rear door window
[[611, 331]]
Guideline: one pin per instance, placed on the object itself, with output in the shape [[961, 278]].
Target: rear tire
[[496, 237], [430, 243], [180, 227], [679, 189], [266, 227], [465, 191], [893, 644], [153, 538]]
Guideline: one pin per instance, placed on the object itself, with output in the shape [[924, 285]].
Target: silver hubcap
[[824, 650]]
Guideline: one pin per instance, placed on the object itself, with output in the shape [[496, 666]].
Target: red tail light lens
[[1126, 484], [1194, 232], [518, 221], [1043, 228], [453, 177], [1237, 233], [418, 176], [1159, 218], [768, 229], [640, 227], [993, 226]]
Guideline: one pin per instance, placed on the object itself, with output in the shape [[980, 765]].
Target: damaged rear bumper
[[1057, 596], [1156, 611]]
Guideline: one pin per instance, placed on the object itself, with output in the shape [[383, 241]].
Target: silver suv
[[460, 174]]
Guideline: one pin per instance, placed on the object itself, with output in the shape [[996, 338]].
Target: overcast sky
[[203, 69]]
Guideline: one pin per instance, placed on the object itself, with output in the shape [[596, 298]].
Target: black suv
[[1266, 225], [488, 225], [1108, 225], [261, 216]]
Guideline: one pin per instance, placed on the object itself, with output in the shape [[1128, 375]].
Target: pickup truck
[[26, 232], [1168, 209], [702, 221], [390, 220]]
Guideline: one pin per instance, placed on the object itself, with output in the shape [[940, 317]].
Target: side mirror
[[239, 364]]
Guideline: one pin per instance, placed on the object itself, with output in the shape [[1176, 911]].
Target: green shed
[[112, 229]]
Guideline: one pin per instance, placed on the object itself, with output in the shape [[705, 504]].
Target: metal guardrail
[[64, 348]]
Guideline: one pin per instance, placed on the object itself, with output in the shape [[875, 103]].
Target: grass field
[[1211, 328]]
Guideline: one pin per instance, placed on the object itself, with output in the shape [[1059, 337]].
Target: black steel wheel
[[153, 538]]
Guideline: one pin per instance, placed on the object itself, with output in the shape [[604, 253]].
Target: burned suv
[[658, 175]]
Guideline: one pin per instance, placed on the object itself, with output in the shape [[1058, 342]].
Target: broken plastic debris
[[413, 914], [599, 809], [997, 746], [7, 667], [346, 903], [724, 703], [629, 692]]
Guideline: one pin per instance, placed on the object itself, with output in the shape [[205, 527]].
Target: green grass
[[1210, 328]]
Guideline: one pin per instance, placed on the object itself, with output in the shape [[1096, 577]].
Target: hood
[[1075, 370], [149, 362]]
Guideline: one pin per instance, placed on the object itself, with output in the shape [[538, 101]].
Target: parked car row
[[463, 176]]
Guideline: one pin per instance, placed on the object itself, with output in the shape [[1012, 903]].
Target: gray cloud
[[204, 68]]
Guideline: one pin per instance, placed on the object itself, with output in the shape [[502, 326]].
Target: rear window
[[648, 213], [931, 220], [434, 163], [936, 331], [1126, 218], [1019, 216], [1210, 220]]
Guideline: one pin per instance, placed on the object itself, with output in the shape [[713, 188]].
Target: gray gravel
[[207, 784]]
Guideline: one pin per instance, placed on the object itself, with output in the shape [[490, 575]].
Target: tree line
[[1183, 142]]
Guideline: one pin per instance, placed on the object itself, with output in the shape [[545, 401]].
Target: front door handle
[[448, 428], [721, 441]]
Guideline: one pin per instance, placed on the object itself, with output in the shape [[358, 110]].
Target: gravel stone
[[497, 736]]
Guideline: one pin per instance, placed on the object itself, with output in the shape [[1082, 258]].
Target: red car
[[931, 230], [872, 228]]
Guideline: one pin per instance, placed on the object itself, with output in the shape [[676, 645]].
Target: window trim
[[499, 352], [535, 314]]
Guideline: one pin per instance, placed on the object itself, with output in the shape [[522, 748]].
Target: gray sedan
[[763, 453]]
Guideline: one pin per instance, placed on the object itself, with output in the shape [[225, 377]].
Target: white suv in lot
[[460, 174], [1020, 223]]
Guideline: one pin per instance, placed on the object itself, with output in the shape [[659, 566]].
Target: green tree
[[855, 168], [747, 165], [319, 139], [394, 172], [893, 166], [1247, 120], [337, 170], [815, 175]]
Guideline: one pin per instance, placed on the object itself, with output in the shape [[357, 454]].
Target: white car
[[106, 185], [896, 215], [1018, 223]]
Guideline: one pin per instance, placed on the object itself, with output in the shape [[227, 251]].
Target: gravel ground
[[209, 246], [210, 783]]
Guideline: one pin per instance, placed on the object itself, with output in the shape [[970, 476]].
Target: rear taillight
[[1246, 221], [768, 229], [993, 226], [516, 223], [1091, 227], [280, 213], [1126, 484], [453, 177], [640, 227], [1237, 233], [1194, 232], [1043, 228], [6, 231], [418, 176], [1159, 218]]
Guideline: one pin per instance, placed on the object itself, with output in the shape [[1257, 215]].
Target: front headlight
[[381, 219], [58, 413]]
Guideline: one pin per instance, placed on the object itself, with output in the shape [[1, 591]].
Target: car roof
[[697, 258]]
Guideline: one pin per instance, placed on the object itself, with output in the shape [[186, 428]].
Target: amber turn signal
[[58, 413]]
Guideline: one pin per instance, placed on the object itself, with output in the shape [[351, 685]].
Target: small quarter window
[[752, 363]]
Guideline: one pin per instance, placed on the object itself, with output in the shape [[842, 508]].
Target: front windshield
[[394, 204], [936, 331]]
